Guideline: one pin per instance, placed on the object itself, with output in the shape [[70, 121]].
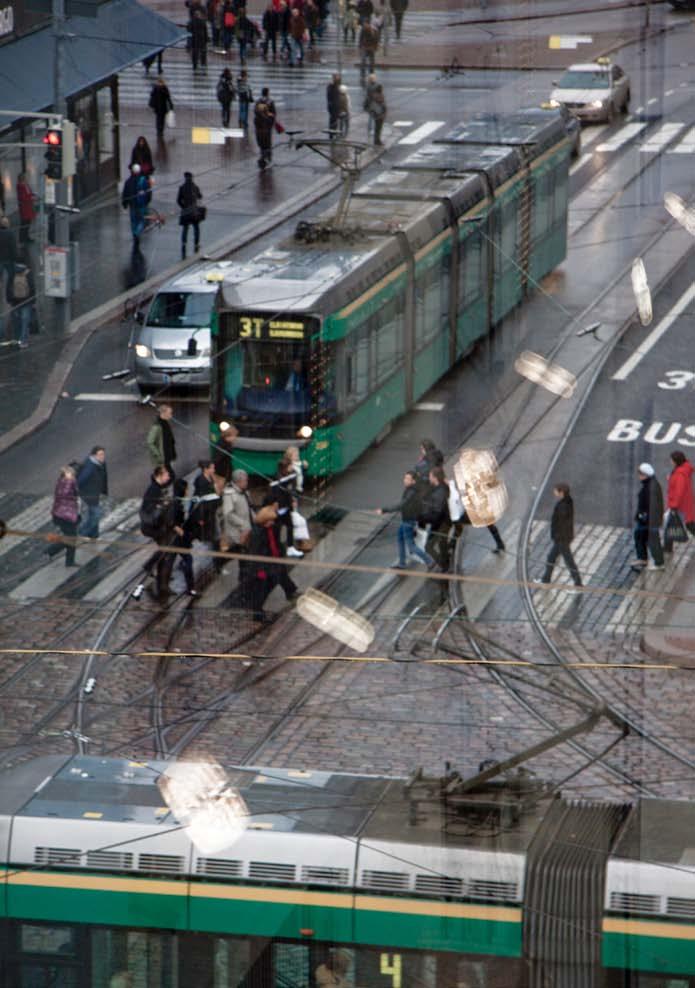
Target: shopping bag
[[170, 119], [420, 537], [674, 529], [300, 529]]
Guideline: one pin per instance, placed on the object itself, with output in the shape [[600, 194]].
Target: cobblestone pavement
[[381, 717]]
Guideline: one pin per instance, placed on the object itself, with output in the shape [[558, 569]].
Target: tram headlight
[[200, 797], [305, 432], [142, 351], [224, 426], [332, 618]]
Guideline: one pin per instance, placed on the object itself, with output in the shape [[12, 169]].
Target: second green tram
[[323, 344]]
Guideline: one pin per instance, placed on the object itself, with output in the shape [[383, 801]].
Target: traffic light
[[53, 139], [60, 152]]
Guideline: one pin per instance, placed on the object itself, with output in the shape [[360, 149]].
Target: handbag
[[300, 529], [201, 213], [279, 128], [170, 119], [674, 529]]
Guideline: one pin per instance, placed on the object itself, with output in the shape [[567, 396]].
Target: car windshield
[[181, 310], [585, 79]]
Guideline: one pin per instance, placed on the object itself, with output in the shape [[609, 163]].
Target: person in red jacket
[[679, 496], [27, 213]]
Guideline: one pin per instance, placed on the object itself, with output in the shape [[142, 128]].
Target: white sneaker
[[294, 553], [653, 566]]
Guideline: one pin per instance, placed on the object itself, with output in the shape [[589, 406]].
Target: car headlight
[[596, 104], [142, 351], [554, 102]]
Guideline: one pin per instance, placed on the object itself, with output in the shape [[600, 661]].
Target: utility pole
[[60, 216]]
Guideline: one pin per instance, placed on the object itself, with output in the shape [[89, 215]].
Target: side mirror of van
[[192, 350]]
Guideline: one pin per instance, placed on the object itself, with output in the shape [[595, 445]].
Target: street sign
[[55, 264]]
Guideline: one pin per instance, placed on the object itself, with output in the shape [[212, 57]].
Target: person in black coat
[[158, 520], [271, 26], [225, 95], [562, 534], [434, 511], [398, 8], [333, 101], [160, 104], [203, 514], [199, 39], [261, 578], [430, 457], [648, 518], [187, 200], [92, 482], [184, 533], [263, 121]]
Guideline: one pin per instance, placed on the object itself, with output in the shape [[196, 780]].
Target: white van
[[172, 344]]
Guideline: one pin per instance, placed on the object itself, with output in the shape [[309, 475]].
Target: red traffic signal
[[52, 137]]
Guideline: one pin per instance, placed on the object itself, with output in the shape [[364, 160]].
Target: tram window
[[560, 198], [470, 269], [358, 368], [543, 206], [389, 338], [509, 235], [432, 300]]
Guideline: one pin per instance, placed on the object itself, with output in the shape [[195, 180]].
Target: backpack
[[152, 517], [229, 19], [21, 289], [225, 91]]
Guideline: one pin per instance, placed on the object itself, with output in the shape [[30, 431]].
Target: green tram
[[341, 333], [398, 885]]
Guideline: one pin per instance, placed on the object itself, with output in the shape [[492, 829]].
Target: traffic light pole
[[60, 216]]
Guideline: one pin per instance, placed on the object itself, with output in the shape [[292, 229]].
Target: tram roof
[[117, 790]]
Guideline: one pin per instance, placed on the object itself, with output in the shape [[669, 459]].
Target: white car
[[594, 91]]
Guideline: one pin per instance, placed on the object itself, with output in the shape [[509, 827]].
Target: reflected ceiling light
[[482, 490], [200, 797], [332, 618], [680, 211], [552, 377], [640, 287], [305, 432]]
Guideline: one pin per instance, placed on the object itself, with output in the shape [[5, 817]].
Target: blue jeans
[[406, 545], [22, 322], [243, 113], [297, 51], [90, 523]]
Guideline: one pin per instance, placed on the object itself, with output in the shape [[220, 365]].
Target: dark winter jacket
[[435, 506], [260, 545], [333, 98], [244, 90], [157, 509], [92, 480], [199, 32], [650, 504], [409, 505], [187, 201], [562, 521], [136, 192], [271, 22], [160, 99], [203, 513], [8, 246], [264, 115], [225, 90], [65, 503], [142, 155]]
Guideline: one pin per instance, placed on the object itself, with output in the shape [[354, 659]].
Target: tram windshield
[[268, 381]]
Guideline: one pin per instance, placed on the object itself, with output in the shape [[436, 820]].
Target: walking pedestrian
[[429, 458], [369, 90], [271, 25], [157, 521], [26, 201], [192, 213], [264, 121], [212, 10], [236, 517], [343, 111], [409, 507], [312, 20], [377, 112], [8, 249], [199, 39], [282, 492], [434, 512], [92, 483], [148, 61], [161, 444], [368, 45], [261, 578], [245, 97], [365, 11], [183, 533], [206, 501], [160, 104], [297, 29], [648, 518], [20, 296], [228, 22], [66, 514], [562, 535], [398, 9], [333, 101], [225, 95], [351, 22], [136, 197], [223, 463], [284, 20], [679, 495], [243, 30], [142, 155]]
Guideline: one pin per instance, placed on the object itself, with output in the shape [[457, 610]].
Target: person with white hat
[[650, 510]]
